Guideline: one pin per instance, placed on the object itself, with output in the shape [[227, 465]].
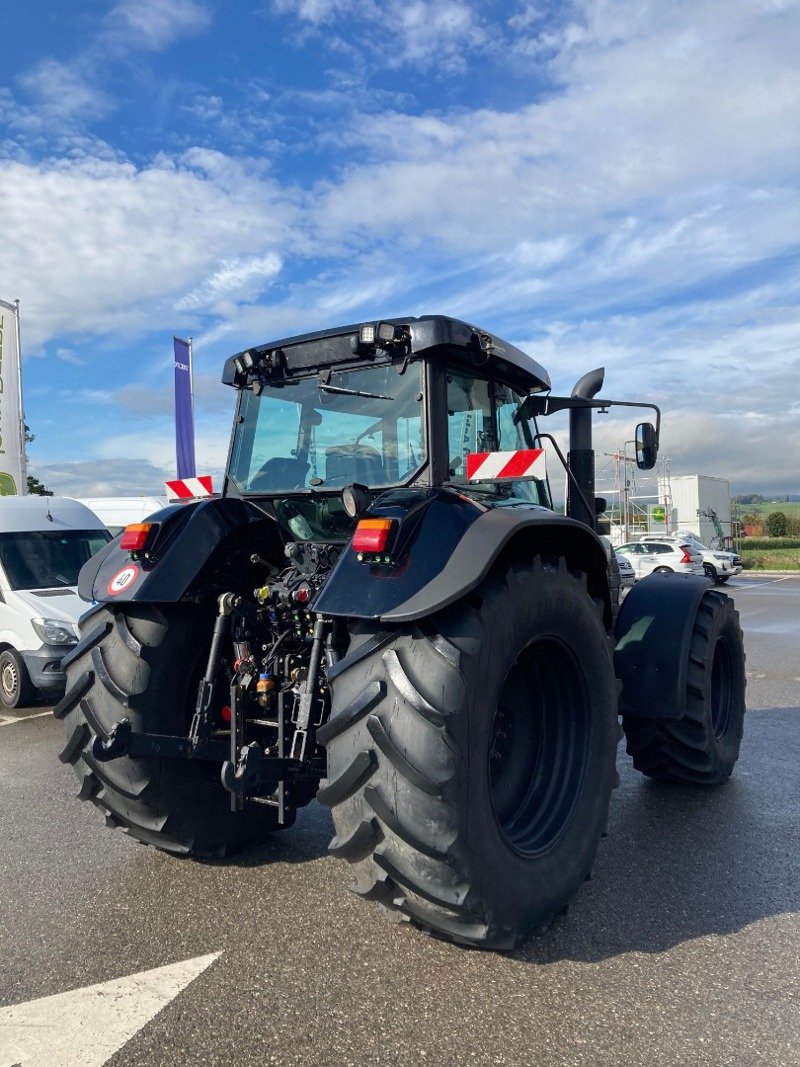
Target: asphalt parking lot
[[683, 949]]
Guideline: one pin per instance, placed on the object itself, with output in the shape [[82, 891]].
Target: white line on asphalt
[[9, 720], [758, 585], [85, 1027]]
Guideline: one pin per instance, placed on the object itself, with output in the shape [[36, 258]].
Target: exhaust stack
[[581, 453]]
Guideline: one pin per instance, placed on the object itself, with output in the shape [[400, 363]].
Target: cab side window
[[469, 421]]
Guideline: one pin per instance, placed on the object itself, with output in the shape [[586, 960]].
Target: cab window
[[484, 416]]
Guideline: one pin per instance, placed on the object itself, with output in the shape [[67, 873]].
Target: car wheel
[[16, 690], [710, 572]]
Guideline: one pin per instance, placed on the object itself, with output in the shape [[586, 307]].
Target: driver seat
[[354, 463]]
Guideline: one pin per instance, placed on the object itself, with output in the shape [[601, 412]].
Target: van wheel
[[16, 688]]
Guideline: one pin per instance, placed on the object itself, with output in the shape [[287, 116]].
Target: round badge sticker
[[122, 579]]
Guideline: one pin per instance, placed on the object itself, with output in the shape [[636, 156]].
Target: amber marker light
[[372, 535], [134, 537]]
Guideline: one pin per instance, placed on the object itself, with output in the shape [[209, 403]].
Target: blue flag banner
[[184, 409]]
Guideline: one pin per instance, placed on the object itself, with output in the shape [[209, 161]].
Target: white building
[[697, 500]]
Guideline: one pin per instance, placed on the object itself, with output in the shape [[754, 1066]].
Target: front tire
[[471, 757], [143, 662], [702, 747], [16, 688]]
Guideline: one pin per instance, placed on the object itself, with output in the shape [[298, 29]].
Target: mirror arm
[[549, 405]]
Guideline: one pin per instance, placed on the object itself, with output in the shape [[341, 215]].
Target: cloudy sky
[[602, 182]]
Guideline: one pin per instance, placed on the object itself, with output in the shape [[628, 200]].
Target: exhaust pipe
[[581, 453]]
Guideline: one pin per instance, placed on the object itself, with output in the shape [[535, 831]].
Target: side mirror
[[646, 446], [600, 505]]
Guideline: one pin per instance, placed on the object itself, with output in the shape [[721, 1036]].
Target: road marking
[[758, 585], [9, 720], [85, 1027]]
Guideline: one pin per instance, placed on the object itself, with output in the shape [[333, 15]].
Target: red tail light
[[686, 557], [372, 535], [134, 537]]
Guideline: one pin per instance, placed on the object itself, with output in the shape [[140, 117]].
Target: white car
[[627, 575], [718, 565], [663, 556]]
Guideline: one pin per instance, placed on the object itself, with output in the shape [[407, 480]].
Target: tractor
[[383, 611]]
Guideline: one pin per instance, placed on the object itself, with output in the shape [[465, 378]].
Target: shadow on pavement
[[681, 863]]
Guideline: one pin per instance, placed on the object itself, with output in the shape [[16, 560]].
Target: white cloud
[[96, 246], [154, 24], [429, 33], [62, 91], [67, 355], [244, 278]]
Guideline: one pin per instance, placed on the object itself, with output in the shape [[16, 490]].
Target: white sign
[[13, 470]]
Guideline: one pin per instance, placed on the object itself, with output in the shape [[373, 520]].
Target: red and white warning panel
[[490, 466], [190, 488]]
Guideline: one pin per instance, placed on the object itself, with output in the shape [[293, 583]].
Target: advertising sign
[[13, 466], [656, 517], [184, 409]]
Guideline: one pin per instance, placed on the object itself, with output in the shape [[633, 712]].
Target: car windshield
[[46, 559], [363, 425]]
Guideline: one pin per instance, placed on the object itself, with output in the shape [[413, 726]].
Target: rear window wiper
[[354, 392]]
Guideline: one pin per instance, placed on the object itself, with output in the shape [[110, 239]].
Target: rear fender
[[190, 538], [452, 545], [653, 635]]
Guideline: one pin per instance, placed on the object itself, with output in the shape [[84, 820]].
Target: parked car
[[718, 565], [44, 542], [662, 557], [627, 575]]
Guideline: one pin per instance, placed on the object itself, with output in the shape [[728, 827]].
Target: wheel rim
[[9, 679], [538, 747], [721, 688]]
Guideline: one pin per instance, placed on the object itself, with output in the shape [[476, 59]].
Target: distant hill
[[773, 503]]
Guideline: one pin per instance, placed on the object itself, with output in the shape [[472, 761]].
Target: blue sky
[[599, 182]]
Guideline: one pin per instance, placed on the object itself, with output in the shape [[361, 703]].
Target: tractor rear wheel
[[702, 747], [471, 756], [143, 662]]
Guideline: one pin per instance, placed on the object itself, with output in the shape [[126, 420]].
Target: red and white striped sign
[[189, 488], [489, 466]]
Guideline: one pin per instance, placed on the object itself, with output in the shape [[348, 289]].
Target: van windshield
[[48, 559]]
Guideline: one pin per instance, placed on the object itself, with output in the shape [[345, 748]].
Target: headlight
[[55, 632], [721, 555]]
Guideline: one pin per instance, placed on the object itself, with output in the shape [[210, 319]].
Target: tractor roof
[[436, 336]]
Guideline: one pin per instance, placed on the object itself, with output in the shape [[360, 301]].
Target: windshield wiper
[[354, 392]]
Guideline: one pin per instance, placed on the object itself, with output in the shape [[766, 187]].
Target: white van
[[118, 511], [44, 542]]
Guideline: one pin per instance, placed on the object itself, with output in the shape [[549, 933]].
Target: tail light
[[686, 557], [134, 537], [372, 535]]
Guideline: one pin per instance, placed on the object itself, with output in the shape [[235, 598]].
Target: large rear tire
[[702, 747], [471, 756], [143, 662]]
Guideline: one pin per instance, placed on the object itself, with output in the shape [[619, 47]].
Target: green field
[[771, 559], [788, 508]]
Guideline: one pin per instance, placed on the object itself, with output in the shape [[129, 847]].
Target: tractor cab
[[382, 406]]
